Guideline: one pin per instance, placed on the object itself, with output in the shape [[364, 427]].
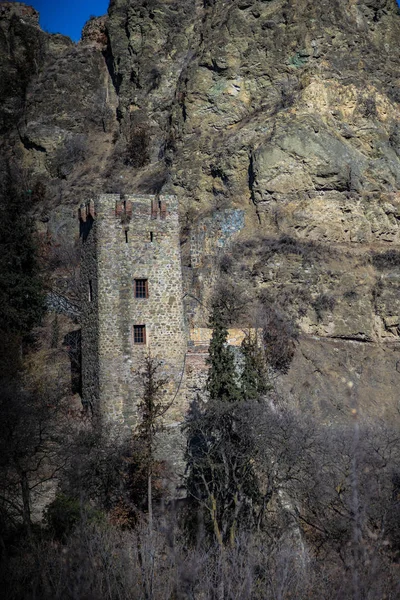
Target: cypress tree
[[21, 290], [253, 379], [222, 379], [220, 473]]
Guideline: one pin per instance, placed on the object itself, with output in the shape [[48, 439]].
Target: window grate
[[140, 288], [139, 334]]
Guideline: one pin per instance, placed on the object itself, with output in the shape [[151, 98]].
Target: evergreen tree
[[220, 469], [253, 379], [222, 378], [152, 408], [21, 290]]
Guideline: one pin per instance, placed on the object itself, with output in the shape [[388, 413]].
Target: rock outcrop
[[284, 110]]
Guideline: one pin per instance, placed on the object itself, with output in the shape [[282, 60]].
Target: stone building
[[132, 301]]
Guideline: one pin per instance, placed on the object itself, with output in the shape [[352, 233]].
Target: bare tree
[[33, 430]]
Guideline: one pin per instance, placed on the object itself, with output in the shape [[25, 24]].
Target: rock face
[[283, 111], [57, 114]]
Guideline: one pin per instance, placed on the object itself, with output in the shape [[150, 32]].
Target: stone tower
[[131, 301]]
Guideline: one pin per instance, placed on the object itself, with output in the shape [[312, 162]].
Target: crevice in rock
[[29, 145], [116, 78], [352, 338], [251, 177], [251, 180]]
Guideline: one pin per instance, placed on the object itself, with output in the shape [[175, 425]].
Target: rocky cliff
[[275, 122]]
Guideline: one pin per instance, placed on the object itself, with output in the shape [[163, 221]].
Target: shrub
[[279, 337], [225, 263], [137, 148], [368, 107], [67, 156], [267, 247], [323, 303], [21, 287], [350, 295], [232, 300], [64, 513], [386, 260], [61, 516]]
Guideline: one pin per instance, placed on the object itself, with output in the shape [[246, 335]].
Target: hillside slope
[[283, 112]]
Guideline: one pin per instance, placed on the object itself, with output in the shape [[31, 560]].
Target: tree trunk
[[217, 531], [150, 499], [26, 502]]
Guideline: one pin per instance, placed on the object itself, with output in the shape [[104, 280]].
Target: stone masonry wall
[[133, 238], [89, 313], [197, 355], [214, 232]]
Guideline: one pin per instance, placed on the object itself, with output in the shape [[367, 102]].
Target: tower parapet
[[131, 281]]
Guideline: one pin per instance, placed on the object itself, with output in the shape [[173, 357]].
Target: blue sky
[[67, 16]]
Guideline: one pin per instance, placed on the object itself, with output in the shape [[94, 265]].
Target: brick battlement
[[128, 207], [85, 211]]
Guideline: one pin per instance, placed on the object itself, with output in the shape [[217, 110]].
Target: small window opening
[[90, 290], [151, 236], [139, 334], [140, 288], [126, 236]]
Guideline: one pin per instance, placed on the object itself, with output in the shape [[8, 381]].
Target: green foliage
[[298, 60], [62, 515], [152, 408], [21, 290], [220, 470], [65, 513], [222, 379], [253, 380]]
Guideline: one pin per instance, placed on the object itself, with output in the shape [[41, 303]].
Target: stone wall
[[214, 232], [201, 336], [88, 229], [132, 238], [137, 238], [197, 354]]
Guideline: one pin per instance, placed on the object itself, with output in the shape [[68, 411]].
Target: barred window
[[139, 334], [140, 288]]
